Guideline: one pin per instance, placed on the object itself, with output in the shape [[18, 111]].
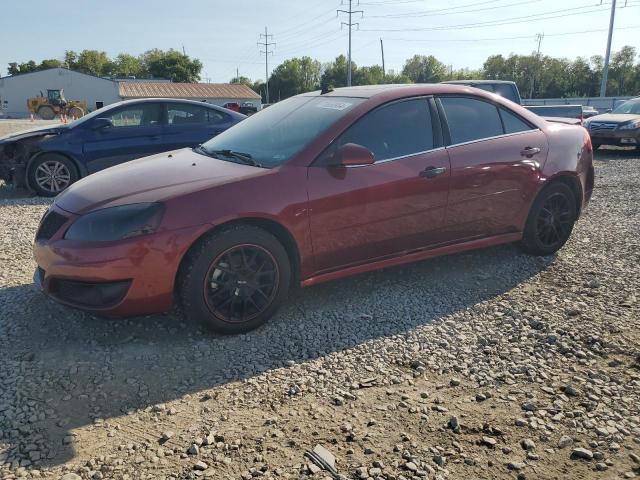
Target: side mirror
[[608, 110], [352, 154], [101, 124]]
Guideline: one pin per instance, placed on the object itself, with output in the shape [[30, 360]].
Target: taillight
[[587, 140]]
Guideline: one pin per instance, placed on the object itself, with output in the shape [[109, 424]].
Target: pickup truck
[[552, 112]]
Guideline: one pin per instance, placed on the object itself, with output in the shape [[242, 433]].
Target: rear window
[[566, 111], [470, 119]]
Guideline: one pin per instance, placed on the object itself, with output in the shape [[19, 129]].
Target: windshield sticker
[[334, 105]]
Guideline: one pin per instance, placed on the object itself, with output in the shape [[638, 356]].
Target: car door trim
[[504, 135], [386, 160]]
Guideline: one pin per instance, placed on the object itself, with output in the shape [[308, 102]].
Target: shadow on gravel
[[67, 368]]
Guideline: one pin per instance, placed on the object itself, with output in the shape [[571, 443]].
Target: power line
[[493, 23], [447, 11], [266, 44], [350, 24]]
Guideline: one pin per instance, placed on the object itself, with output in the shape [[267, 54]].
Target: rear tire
[[46, 113], [50, 174], [550, 221], [234, 280]]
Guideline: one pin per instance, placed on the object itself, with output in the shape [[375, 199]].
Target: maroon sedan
[[314, 188]]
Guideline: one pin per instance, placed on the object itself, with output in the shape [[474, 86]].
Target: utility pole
[[350, 24], [382, 51], [539, 37], [266, 44], [184, 52], [605, 70]]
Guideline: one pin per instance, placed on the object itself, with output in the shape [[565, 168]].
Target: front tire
[[550, 221], [50, 174], [46, 112], [234, 280]]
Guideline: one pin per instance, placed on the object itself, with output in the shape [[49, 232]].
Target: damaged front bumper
[[13, 164]]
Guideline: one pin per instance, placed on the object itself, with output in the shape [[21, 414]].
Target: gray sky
[[223, 34]]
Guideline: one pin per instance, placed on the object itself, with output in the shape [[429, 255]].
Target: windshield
[[274, 135], [630, 106]]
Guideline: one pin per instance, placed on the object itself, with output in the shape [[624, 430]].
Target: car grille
[[50, 224], [602, 126]]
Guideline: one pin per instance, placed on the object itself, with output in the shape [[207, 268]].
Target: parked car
[[620, 127], [553, 112], [248, 108], [48, 160], [588, 111], [504, 88], [314, 188], [233, 106]]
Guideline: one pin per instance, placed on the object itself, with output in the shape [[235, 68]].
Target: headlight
[[630, 126], [117, 223]]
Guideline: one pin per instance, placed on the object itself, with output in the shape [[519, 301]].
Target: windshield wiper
[[245, 158]]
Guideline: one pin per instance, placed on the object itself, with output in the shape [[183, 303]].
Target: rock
[[200, 466], [601, 467], [454, 425], [454, 382], [480, 397], [581, 453], [71, 476], [166, 436], [412, 467], [517, 466], [565, 441], [193, 449], [571, 391], [527, 444], [489, 441]]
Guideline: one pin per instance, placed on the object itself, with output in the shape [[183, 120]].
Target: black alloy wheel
[[241, 283], [550, 220], [234, 279]]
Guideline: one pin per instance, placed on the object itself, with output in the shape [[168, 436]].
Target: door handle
[[431, 172], [529, 151]]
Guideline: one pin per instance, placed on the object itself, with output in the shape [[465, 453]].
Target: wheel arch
[[79, 170], [573, 182], [282, 234]]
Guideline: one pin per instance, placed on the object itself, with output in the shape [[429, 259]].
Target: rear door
[[189, 125], [496, 158], [393, 206], [136, 133]]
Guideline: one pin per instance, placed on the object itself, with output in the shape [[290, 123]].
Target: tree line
[[169, 64], [537, 76]]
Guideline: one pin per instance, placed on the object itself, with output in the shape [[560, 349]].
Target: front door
[[136, 132], [495, 159], [393, 206]]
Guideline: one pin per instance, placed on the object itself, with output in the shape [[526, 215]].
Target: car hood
[[152, 179], [33, 132], [614, 117]]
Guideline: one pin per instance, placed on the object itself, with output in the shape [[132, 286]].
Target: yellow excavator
[[55, 104]]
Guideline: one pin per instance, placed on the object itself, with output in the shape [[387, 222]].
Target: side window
[[395, 130], [181, 114], [215, 117], [512, 123], [507, 91], [144, 115], [470, 119]]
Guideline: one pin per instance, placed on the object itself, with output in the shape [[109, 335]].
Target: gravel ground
[[490, 364]]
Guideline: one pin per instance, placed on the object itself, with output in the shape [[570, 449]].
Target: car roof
[[479, 82], [397, 90]]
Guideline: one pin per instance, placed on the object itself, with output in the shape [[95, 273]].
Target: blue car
[[48, 160]]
